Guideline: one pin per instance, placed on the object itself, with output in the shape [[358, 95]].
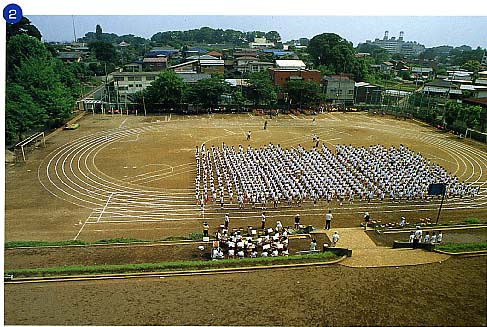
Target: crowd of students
[[272, 174], [272, 242]]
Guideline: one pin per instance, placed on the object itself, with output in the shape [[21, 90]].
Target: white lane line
[[101, 213], [123, 122]]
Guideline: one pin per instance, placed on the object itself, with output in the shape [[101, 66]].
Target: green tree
[[168, 89], [98, 33], [34, 77], [238, 98], [207, 92], [474, 66], [304, 93], [452, 112], [261, 91], [332, 51], [273, 36], [104, 51], [24, 26], [21, 113], [470, 115]]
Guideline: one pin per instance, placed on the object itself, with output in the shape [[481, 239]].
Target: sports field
[[119, 176], [128, 176]]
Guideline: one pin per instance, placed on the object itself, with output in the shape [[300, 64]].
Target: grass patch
[[462, 247], [17, 244], [472, 220], [170, 266]]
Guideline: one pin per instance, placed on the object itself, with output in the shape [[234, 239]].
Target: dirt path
[[365, 253]]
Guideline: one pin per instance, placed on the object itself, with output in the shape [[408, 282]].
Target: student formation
[[273, 175]]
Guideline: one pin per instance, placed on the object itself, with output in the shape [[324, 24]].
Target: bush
[[472, 220]]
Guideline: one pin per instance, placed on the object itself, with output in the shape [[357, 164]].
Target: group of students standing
[[417, 237]]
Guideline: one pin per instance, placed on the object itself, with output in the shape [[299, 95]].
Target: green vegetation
[[31, 244], [463, 247], [171, 266], [472, 220], [17, 244]]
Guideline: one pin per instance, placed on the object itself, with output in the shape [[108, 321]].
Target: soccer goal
[[31, 143]]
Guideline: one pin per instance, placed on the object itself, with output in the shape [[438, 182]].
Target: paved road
[[365, 253]]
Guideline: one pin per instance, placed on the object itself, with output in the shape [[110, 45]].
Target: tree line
[[40, 89]]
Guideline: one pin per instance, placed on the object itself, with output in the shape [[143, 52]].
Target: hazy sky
[[428, 30]]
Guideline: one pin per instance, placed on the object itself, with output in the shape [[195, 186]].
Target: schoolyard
[[133, 176]]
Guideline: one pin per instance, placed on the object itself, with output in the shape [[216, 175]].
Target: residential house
[[154, 63], [69, 56], [244, 60], [475, 91], [442, 88], [367, 93], [188, 66], [422, 72], [386, 66], [277, 53], [338, 89], [259, 66], [215, 54], [281, 77], [212, 66], [159, 52], [134, 66], [261, 43], [245, 52], [251, 64], [195, 52]]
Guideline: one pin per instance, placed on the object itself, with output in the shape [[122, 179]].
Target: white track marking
[[70, 173], [123, 122], [101, 213]]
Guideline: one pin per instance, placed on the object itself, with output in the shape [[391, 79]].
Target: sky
[[432, 23], [428, 30]]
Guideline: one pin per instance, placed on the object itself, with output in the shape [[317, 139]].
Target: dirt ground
[[119, 176], [450, 293]]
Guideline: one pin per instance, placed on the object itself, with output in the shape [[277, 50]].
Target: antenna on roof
[[74, 29]]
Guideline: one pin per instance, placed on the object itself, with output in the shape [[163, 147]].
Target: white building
[[261, 43], [393, 45]]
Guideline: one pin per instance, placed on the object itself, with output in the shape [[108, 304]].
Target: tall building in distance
[[393, 45]]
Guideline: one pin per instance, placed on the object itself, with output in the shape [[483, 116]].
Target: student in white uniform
[[334, 239]]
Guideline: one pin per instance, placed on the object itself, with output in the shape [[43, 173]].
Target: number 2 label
[[12, 13]]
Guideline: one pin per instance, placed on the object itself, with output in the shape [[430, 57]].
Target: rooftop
[[290, 63], [69, 55]]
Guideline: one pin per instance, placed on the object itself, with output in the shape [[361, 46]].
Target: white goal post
[[33, 139]]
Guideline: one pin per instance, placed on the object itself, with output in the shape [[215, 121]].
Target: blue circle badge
[[12, 13]]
